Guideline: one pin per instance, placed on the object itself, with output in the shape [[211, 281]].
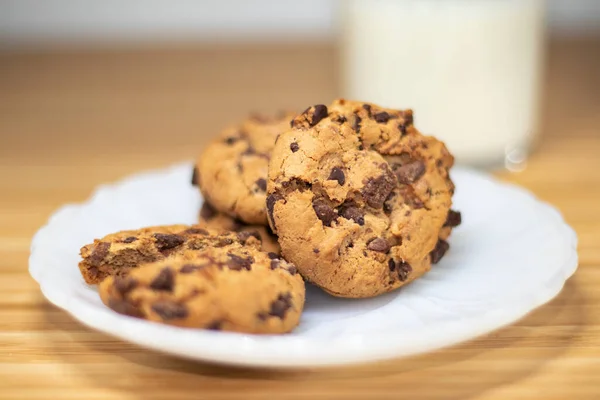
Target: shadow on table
[[459, 372]]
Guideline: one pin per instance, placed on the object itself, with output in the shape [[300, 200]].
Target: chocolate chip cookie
[[232, 170], [359, 198], [238, 289], [212, 218], [118, 253]]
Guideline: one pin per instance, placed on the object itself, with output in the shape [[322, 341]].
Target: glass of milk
[[470, 69]]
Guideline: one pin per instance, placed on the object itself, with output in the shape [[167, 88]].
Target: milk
[[470, 69]]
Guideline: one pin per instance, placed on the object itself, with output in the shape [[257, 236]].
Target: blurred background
[[492, 78]]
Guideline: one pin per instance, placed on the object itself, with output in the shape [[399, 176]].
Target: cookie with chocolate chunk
[[238, 289], [212, 218], [232, 170], [118, 253], [359, 198]]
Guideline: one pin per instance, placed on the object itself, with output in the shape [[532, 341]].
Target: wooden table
[[70, 120]]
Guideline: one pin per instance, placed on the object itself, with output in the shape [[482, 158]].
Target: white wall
[[35, 21]]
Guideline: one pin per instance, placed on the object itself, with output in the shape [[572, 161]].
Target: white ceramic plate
[[511, 254]]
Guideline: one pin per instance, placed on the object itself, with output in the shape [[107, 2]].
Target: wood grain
[[70, 120]]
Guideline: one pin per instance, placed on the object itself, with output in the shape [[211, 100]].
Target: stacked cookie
[[351, 196]]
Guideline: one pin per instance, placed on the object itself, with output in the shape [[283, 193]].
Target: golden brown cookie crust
[[358, 197], [239, 289], [232, 170], [118, 253]]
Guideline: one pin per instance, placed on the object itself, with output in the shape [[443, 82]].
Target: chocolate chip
[[368, 108], [354, 213], [356, 124], [262, 184], [404, 269], [164, 281], [231, 140], [291, 268], [340, 119], [223, 241], [408, 117], [238, 263], [272, 256], [294, 147], [195, 176], [100, 251], [337, 175], [280, 306], [189, 268], [324, 212], [377, 190], [391, 264], [382, 117], [124, 307], [214, 326], [167, 309], [316, 251], [207, 212], [409, 173], [319, 113], [379, 244], [124, 285], [388, 204], [271, 200], [262, 315], [438, 252], [275, 263], [245, 235], [195, 231], [167, 241], [454, 219], [402, 129], [130, 239]]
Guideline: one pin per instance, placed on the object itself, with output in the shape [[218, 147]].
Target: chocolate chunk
[[100, 251], [337, 174], [238, 263], [280, 306], [189, 268], [404, 269], [324, 211], [319, 113], [382, 117], [454, 219], [167, 309], [354, 213], [275, 263], [167, 241], [379, 244], [262, 184], [409, 173], [245, 235], [272, 256], [291, 268], [130, 239], [164, 281], [214, 326], [356, 124], [402, 129], [294, 147], [207, 212], [124, 307], [438, 252], [196, 231], [223, 241], [368, 108], [195, 177], [377, 190], [231, 140], [271, 200], [124, 285]]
